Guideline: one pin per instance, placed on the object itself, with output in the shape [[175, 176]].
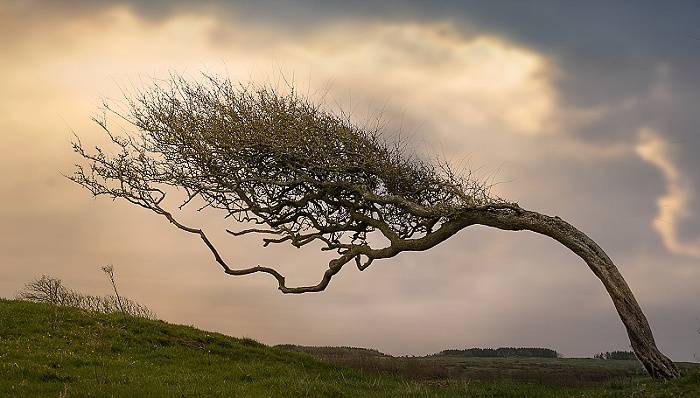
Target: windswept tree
[[297, 173]]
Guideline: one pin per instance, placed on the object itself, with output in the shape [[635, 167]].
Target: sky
[[585, 110]]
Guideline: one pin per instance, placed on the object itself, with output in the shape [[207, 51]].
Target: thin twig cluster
[[299, 173]]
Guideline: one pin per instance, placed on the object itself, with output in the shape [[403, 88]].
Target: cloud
[[472, 91], [433, 71], [673, 206]]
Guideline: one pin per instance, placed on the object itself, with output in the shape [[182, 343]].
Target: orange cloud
[[673, 205]]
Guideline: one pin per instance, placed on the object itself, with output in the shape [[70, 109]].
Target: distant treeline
[[323, 352], [503, 352], [616, 355]]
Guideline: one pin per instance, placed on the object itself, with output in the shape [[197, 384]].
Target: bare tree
[[49, 290], [302, 174]]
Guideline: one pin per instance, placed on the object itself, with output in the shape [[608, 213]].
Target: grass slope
[[64, 352]]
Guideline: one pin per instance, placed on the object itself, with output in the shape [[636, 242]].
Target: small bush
[[48, 289], [616, 355]]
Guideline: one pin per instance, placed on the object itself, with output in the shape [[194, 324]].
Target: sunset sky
[[585, 110]]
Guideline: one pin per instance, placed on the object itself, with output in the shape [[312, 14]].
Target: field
[[440, 369], [63, 352]]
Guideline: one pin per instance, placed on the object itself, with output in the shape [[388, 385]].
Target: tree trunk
[[513, 218]]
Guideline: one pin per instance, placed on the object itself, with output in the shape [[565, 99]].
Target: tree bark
[[514, 218]]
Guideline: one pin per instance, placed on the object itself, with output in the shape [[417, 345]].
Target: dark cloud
[[608, 52]]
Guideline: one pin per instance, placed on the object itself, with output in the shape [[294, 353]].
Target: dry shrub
[[48, 289]]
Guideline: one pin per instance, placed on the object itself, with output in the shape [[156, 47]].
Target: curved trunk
[[512, 217]]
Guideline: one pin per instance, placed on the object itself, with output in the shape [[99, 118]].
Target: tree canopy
[[281, 162]]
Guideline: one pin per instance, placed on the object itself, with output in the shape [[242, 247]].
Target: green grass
[[50, 351], [551, 371]]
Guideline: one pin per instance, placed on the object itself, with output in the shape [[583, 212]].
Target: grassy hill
[[64, 352]]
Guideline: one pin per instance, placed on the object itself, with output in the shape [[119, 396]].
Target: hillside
[[58, 351]]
